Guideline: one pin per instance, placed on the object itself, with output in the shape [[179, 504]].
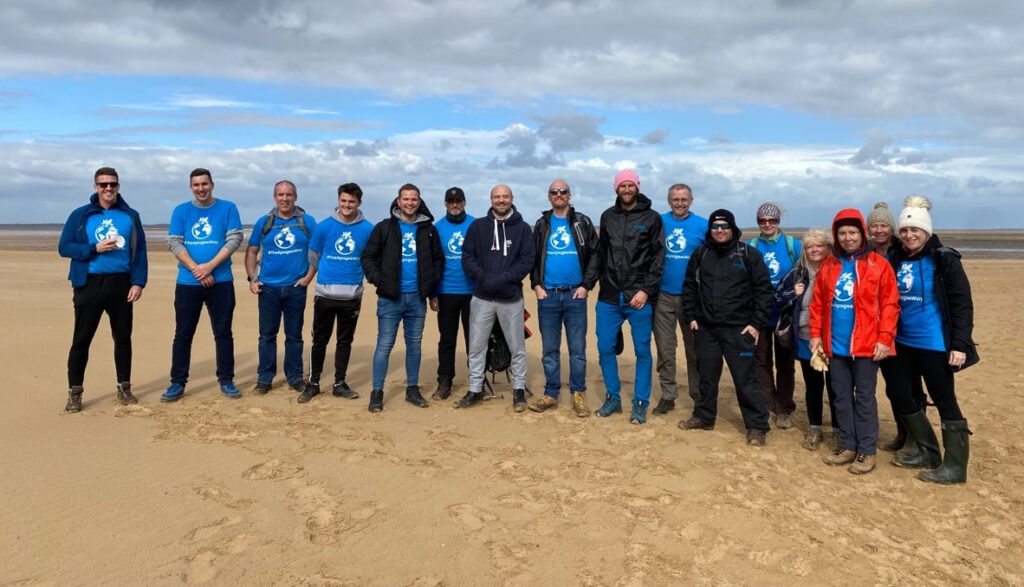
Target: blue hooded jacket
[[74, 243]]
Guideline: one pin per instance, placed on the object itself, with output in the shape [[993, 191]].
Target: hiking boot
[[519, 400], [546, 402], [173, 393], [298, 385], [611, 405], [444, 389], [756, 437], [695, 423], [862, 464], [312, 390], [341, 389], [664, 406], [840, 456], [261, 389], [812, 440], [124, 394], [639, 413], [783, 421], [229, 390], [579, 404], [376, 401], [413, 396], [956, 440], [74, 404], [470, 399]]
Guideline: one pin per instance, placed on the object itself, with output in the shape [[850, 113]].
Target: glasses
[[721, 226], [559, 192], [108, 184], [767, 220]]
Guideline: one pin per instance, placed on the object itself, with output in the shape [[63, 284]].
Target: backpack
[[499, 356], [700, 253], [790, 247], [268, 223]]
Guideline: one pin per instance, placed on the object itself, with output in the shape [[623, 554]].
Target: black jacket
[[954, 293], [497, 255], [584, 237], [382, 256], [727, 285], [632, 251]]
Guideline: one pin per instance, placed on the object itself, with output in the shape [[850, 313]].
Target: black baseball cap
[[454, 194]]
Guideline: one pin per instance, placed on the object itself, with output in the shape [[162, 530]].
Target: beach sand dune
[[262, 490]]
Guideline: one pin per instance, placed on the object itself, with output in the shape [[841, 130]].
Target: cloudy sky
[[817, 105]]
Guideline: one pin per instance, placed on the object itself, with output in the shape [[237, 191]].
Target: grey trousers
[[482, 314], [668, 315]]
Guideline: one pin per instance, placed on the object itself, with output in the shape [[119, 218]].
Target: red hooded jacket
[[876, 299]]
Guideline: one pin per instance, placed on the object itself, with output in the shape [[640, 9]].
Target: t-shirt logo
[[408, 244], [106, 230], [285, 239], [345, 245], [772, 263], [455, 242], [844, 287], [202, 229], [560, 239], [905, 277], [675, 242]]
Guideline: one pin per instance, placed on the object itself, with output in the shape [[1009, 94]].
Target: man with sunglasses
[[107, 247], [567, 268], [780, 252], [727, 296]]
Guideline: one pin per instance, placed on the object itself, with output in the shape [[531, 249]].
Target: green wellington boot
[[956, 441], [923, 453]]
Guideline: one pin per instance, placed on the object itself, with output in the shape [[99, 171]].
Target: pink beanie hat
[[627, 175]]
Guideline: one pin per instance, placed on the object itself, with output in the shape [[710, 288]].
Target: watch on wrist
[[251, 278]]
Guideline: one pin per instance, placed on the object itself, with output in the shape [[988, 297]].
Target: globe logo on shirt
[[345, 245], [202, 229], [675, 242], [772, 263], [844, 287], [905, 277], [455, 242], [285, 239], [106, 230], [560, 239], [408, 244]]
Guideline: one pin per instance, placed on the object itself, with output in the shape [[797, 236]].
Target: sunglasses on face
[[107, 184], [559, 192], [767, 220], [721, 226]]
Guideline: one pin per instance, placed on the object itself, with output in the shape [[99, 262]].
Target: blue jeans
[[411, 310], [554, 310], [275, 301], [188, 305], [609, 319]]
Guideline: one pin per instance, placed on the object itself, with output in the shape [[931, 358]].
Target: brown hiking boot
[[74, 399], [862, 464], [546, 402], [842, 456], [124, 394], [696, 423], [579, 404]]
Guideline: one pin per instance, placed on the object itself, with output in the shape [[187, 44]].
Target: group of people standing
[[855, 299]]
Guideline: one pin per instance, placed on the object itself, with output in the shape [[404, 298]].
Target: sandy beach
[[262, 490]]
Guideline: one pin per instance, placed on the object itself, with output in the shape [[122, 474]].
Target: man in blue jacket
[[107, 247], [497, 254]]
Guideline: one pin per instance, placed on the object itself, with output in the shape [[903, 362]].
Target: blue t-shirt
[[410, 271], [454, 280], [562, 262], [339, 246], [776, 256], [842, 308], [682, 238], [205, 231], [112, 223], [920, 324], [285, 257]]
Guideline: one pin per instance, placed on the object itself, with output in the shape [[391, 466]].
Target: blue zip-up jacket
[[74, 243]]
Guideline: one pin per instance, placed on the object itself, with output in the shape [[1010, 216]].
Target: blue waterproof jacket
[[74, 243]]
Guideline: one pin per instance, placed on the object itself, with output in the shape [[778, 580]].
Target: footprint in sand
[[471, 517], [222, 496], [200, 568], [274, 470], [209, 530]]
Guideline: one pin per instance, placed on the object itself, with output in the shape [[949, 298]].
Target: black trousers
[[714, 343], [817, 383], [102, 293], [451, 310], [933, 366], [326, 313]]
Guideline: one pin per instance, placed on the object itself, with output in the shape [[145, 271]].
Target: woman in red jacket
[[854, 310]]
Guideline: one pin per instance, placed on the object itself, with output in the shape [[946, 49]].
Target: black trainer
[[664, 406], [696, 423], [261, 389], [298, 385], [414, 397], [470, 399], [444, 389], [341, 389], [309, 392], [376, 400], [519, 400]]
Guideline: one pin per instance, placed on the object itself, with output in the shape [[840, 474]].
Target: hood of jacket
[[337, 216], [845, 217], [642, 203], [422, 213]]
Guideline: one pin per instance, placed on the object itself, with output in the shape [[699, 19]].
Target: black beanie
[[722, 215]]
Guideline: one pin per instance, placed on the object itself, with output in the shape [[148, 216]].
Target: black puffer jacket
[[632, 251], [382, 256], [584, 237], [727, 285]]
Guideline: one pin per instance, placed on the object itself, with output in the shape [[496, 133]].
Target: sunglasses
[[767, 220], [559, 192], [108, 184], [721, 226]]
